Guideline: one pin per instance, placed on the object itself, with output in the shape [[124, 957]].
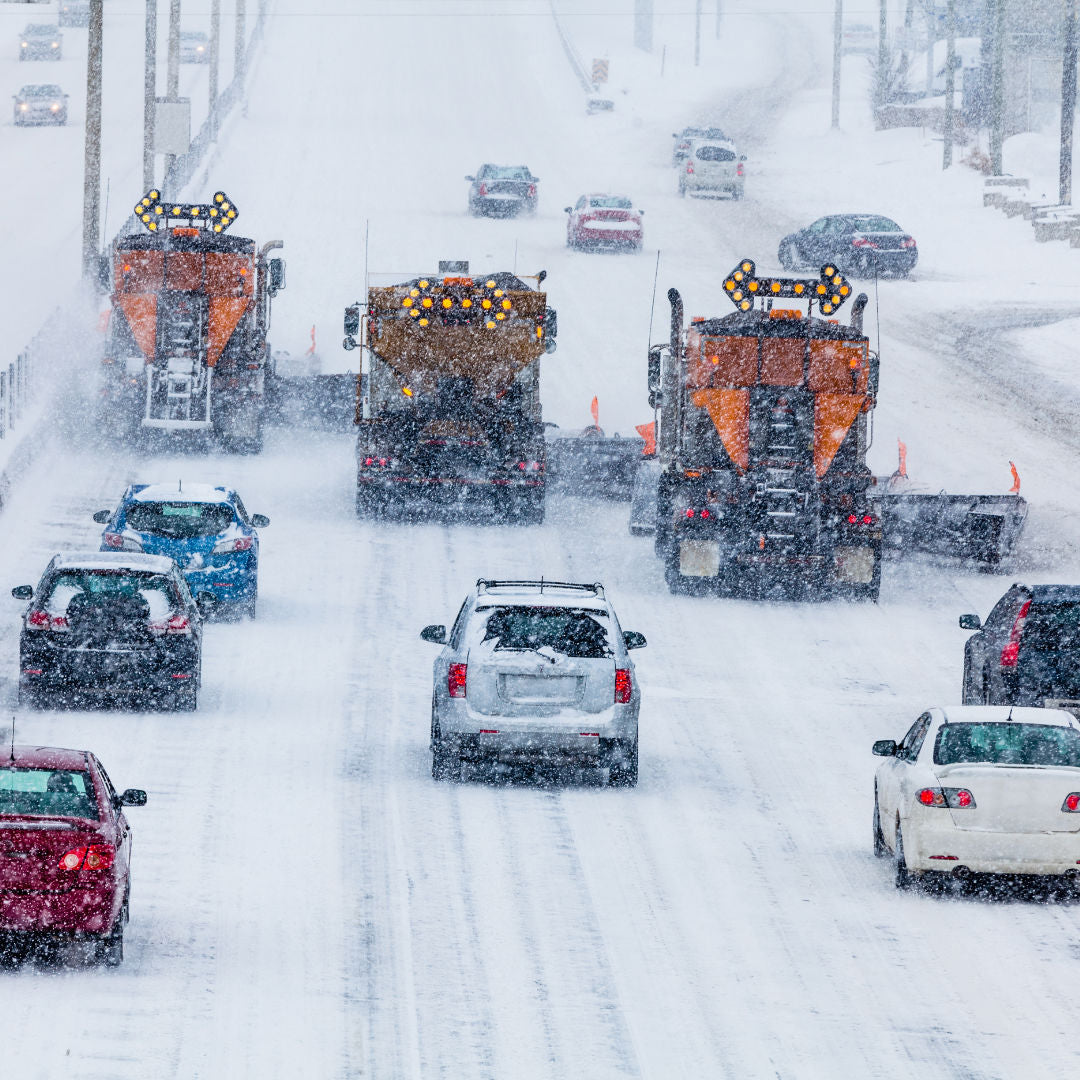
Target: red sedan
[[65, 849], [604, 221]]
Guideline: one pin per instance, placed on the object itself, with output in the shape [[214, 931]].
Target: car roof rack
[[484, 585]]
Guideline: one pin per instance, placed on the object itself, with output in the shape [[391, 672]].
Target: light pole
[[838, 44], [997, 92], [149, 95], [239, 51], [1068, 105], [172, 76], [92, 160], [950, 82], [215, 53]]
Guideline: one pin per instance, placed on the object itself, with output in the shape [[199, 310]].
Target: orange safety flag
[[594, 408], [1015, 489], [311, 351], [901, 469], [648, 433]]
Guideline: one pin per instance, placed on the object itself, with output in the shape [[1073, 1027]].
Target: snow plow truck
[[186, 343], [762, 439], [448, 401]]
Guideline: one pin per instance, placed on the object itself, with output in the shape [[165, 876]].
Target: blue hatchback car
[[205, 529]]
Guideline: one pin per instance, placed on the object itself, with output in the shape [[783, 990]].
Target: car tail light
[[455, 680], [178, 624], [860, 519], [1011, 653], [739, 169], [532, 191], [953, 798], [483, 189], [119, 542], [624, 684], [93, 857], [689, 167], [237, 543], [907, 242], [1071, 805], [863, 242], [42, 620]]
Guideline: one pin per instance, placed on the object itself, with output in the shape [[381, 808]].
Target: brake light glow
[[42, 620], [953, 798], [455, 680], [689, 167], [92, 857], [907, 242], [739, 169], [1071, 805], [483, 189], [624, 684], [1011, 653]]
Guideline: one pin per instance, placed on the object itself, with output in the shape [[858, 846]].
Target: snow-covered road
[[306, 901]]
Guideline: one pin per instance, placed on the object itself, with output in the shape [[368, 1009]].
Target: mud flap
[[853, 565], [699, 558]]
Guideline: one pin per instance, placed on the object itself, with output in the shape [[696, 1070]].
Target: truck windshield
[[1007, 744], [179, 521]]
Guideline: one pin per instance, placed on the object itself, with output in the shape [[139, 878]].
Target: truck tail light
[[1011, 653], [42, 620], [624, 684], [178, 624], [689, 167], [739, 169], [455, 680]]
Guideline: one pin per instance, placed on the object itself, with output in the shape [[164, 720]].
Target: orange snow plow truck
[[186, 346]]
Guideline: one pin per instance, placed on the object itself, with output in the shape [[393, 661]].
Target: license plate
[[699, 558]]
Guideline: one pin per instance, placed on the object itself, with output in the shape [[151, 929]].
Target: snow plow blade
[[982, 528], [318, 402], [593, 464]]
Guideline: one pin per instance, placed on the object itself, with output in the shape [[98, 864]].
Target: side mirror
[[656, 397], [568, 209], [641, 211], [885, 748], [970, 622], [436, 633], [276, 281], [104, 273], [352, 320], [633, 640], [472, 178], [260, 521], [551, 330], [23, 592], [133, 797], [206, 602], [102, 516]]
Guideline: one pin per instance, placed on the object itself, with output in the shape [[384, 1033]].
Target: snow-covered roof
[[113, 560], [182, 492]]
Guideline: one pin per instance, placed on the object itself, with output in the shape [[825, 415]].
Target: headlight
[[55, 107], [23, 107]]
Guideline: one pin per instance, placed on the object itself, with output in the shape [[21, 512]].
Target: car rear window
[[1007, 744], [180, 520], [571, 631], [874, 224], [715, 153], [1052, 627], [610, 202], [507, 172], [41, 91], [152, 595], [49, 792]]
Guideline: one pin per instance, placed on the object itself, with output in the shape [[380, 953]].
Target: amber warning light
[[829, 291], [157, 213]]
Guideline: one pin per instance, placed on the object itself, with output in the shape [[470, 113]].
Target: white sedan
[[980, 789]]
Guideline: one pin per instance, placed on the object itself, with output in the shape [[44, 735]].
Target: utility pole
[[1068, 104], [882, 53], [719, 17], [950, 82], [240, 41], [697, 34], [149, 95], [837, 47], [92, 167], [172, 77], [643, 24], [997, 90], [215, 53]]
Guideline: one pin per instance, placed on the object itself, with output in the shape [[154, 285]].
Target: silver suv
[[535, 672]]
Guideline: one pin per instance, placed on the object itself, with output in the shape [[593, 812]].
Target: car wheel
[[445, 763], [623, 771], [109, 950], [249, 605], [736, 193], [682, 190], [789, 255], [881, 849], [905, 879]]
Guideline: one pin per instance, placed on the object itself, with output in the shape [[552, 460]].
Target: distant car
[[713, 165], [502, 190], [41, 41], [681, 150], [75, 13], [44, 103], [1028, 650], [207, 530], [597, 221], [980, 790], [865, 245], [65, 863], [110, 624], [859, 38], [535, 672], [194, 47]]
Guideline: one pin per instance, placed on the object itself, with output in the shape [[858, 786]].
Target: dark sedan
[[110, 624], [503, 190], [865, 245]]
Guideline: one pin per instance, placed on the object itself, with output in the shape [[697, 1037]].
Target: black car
[[103, 624], [503, 190], [866, 245], [1028, 650]]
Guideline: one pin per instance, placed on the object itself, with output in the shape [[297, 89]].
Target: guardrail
[[16, 385]]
